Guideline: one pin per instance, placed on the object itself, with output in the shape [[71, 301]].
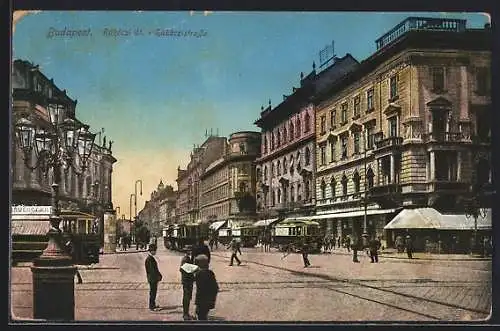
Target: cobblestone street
[[268, 287]]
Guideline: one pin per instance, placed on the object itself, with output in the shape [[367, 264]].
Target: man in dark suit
[[201, 248], [154, 276]]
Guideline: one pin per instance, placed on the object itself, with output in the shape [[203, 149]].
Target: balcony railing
[[447, 185], [443, 136], [389, 142], [388, 189], [420, 23]]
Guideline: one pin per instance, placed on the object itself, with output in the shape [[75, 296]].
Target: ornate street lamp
[[62, 144]]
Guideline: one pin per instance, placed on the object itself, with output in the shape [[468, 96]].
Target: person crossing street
[[235, 249]]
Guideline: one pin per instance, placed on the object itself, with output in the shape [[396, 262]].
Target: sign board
[[31, 210], [281, 231]]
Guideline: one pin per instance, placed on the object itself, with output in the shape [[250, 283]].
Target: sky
[[155, 95]]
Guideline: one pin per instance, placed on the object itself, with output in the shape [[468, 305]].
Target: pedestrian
[[71, 251], [305, 254], [332, 242], [348, 243], [201, 248], [355, 246], [339, 242], [235, 248], [409, 247], [206, 288], [153, 275], [374, 247], [187, 279]]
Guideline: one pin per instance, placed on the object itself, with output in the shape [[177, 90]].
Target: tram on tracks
[[183, 236], [249, 235], [294, 231], [29, 227]]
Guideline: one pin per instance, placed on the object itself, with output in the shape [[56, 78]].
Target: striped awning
[[31, 227], [217, 225]]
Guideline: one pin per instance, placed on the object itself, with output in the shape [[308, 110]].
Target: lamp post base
[[53, 282], [54, 292]]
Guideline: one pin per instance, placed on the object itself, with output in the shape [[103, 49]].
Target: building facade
[[159, 209], [227, 190], [188, 180], [286, 167], [407, 128], [88, 192]]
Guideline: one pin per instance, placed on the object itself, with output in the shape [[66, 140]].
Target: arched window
[[356, 178], [299, 192], [297, 131], [323, 189], [265, 173], [291, 131], [292, 193], [332, 186], [285, 165], [307, 156], [278, 140], [285, 137], [369, 177], [307, 123], [278, 168], [344, 185]]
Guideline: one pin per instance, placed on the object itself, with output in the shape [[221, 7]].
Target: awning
[[38, 228], [217, 225], [265, 222], [429, 218], [462, 222], [419, 218], [355, 213]]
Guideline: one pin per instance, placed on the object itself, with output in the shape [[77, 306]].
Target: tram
[[227, 234], [184, 236], [293, 232], [249, 235], [29, 234]]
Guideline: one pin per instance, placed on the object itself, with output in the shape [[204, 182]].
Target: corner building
[[409, 128], [228, 184], [286, 167]]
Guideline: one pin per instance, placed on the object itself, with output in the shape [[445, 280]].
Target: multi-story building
[[407, 128], [188, 180], [159, 209], [227, 190], [88, 192], [285, 169]]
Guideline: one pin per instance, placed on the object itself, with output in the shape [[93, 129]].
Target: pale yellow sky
[[148, 165]]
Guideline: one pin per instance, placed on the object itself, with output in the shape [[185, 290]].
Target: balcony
[[447, 185], [384, 190], [389, 142], [443, 137]]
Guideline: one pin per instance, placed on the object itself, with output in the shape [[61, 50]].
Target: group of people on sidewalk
[[194, 268]]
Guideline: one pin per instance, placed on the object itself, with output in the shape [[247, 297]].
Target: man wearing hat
[[206, 288], [154, 276]]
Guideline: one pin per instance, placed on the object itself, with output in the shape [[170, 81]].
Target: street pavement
[[271, 287]]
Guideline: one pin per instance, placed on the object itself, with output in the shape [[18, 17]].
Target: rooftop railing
[[420, 23]]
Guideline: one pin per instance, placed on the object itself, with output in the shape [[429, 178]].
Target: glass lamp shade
[[85, 144], [71, 132], [56, 113], [24, 132], [43, 142]]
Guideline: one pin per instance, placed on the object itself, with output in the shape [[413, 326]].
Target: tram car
[[294, 232], [168, 240], [249, 235], [184, 236], [29, 236], [227, 234]]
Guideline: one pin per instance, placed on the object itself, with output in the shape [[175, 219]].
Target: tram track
[[412, 301]]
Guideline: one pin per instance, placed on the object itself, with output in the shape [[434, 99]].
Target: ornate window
[[323, 189], [356, 179], [291, 131], [307, 156], [307, 123], [344, 185], [369, 100], [332, 186]]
